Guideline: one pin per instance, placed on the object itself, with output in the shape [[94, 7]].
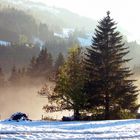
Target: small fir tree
[[41, 66], [68, 93], [59, 62]]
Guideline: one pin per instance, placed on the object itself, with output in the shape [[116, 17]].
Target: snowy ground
[[95, 130]]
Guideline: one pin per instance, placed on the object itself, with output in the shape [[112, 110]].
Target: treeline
[[55, 18], [44, 66], [41, 68], [18, 23], [17, 54], [20, 28], [95, 84], [56, 45], [20, 54]]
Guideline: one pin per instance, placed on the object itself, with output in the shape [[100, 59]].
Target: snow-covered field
[[45, 130]]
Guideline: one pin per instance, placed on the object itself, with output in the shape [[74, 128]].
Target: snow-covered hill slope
[[50, 15], [94, 130]]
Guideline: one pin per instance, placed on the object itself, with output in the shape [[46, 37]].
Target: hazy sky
[[125, 12]]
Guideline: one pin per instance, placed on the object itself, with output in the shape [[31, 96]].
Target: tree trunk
[[76, 114], [107, 108]]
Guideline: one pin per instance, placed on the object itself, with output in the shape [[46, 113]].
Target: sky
[[125, 12]]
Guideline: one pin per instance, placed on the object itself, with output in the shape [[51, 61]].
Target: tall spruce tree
[[109, 86]]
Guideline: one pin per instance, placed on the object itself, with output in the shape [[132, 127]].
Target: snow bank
[[122, 129]]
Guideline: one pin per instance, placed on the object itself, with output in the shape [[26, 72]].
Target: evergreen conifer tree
[[68, 93], [59, 62], [109, 86], [31, 71], [41, 66]]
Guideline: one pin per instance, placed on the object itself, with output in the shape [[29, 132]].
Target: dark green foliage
[[31, 69], [108, 85], [16, 54], [68, 93], [41, 67], [15, 23], [57, 45], [59, 62]]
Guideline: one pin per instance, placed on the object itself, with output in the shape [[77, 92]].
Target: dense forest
[[56, 18], [13, 30], [19, 25]]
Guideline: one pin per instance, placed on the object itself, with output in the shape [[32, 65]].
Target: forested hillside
[[44, 27]]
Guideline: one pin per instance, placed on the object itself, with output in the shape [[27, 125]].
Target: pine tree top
[[108, 13]]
